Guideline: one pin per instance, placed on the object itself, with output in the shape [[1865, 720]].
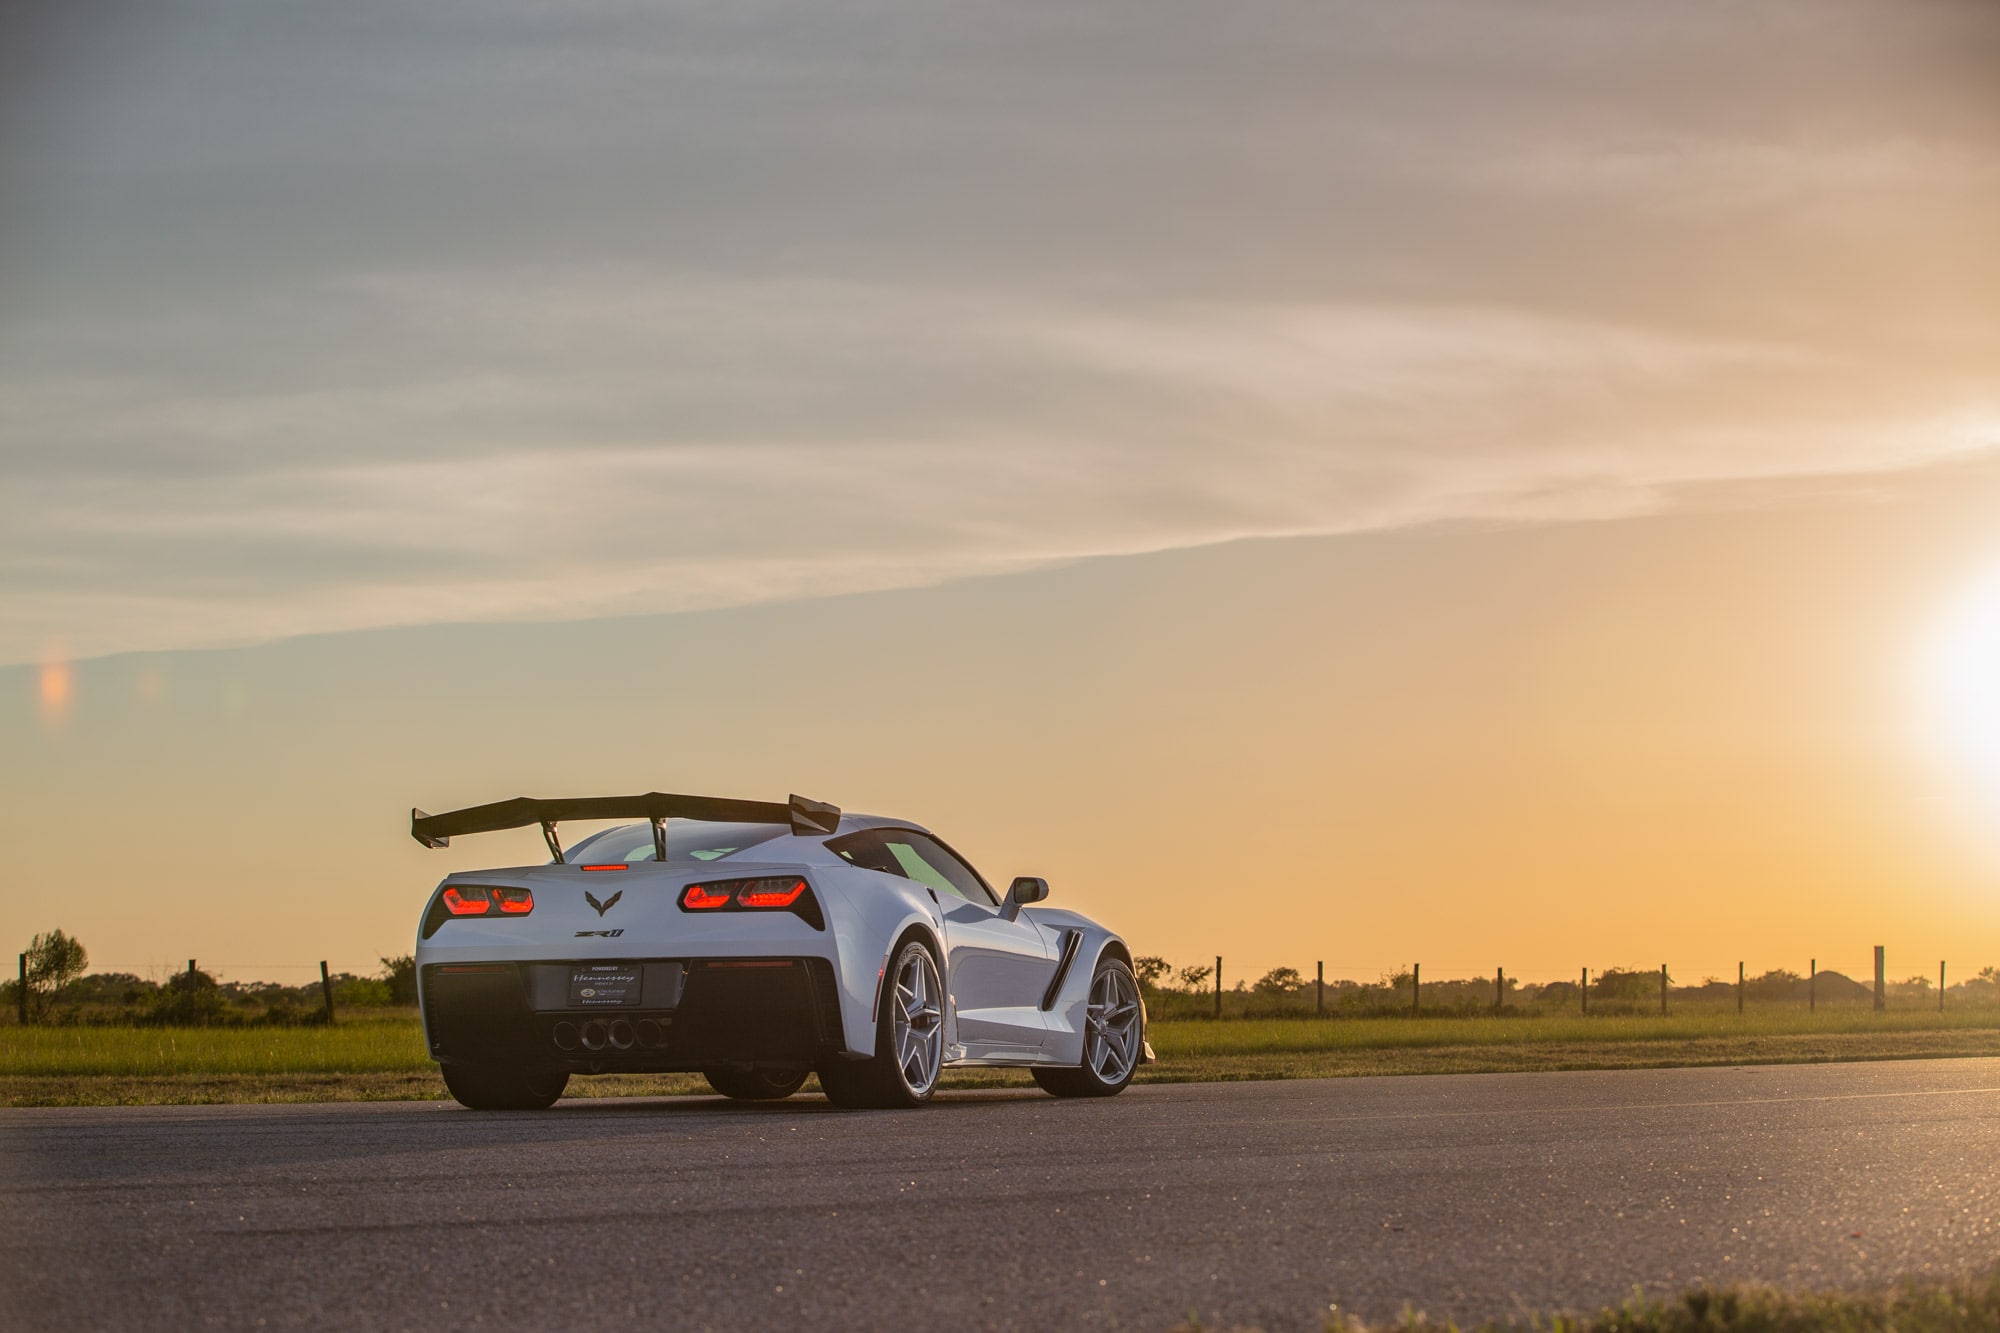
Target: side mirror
[[1027, 889]]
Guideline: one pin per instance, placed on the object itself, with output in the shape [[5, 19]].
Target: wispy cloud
[[639, 313], [659, 443]]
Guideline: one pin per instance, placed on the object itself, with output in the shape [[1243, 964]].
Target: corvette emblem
[[606, 905]]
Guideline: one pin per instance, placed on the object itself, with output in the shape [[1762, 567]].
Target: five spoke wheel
[[1114, 1037], [909, 1039], [918, 1020], [1111, 1036]]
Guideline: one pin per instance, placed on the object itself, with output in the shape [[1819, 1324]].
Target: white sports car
[[757, 942]]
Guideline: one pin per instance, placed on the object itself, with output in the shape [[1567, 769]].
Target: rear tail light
[[770, 892], [781, 893], [698, 898], [470, 900], [483, 900]]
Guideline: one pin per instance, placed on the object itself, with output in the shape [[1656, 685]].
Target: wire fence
[[1216, 990], [42, 991], [1217, 987]]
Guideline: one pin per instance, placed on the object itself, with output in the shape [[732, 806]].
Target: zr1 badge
[[599, 934]]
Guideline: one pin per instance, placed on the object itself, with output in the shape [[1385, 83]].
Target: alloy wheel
[[1112, 1032], [917, 1017]]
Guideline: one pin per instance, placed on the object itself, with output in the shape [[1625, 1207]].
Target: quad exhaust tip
[[618, 1034]]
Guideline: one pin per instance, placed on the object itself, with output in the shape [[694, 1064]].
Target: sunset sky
[[1479, 484]]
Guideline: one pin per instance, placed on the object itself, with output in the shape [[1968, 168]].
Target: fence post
[[1218, 985], [1663, 990], [1319, 1003], [1584, 990], [1499, 989], [21, 994], [1812, 987], [1940, 985], [1881, 980], [326, 989], [1416, 989], [1739, 988]]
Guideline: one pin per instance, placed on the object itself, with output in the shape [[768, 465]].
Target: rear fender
[[876, 912]]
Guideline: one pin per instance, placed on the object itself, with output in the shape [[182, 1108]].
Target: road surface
[[1247, 1203]]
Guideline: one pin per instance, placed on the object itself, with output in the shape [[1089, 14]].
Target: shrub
[[401, 975], [360, 992], [190, 999], [54, 960], [1280, 981]]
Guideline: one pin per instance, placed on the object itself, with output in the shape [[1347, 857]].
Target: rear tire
[[501, 1088], [909, 1040], [1114, 1038], [756, 1085]]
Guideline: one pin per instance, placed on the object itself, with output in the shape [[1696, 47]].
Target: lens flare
[[58, 691]]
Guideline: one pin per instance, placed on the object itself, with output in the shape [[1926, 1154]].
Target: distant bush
[[190, 999], [1281, 981], [361, 992], [1194, 978], [285, 1012], [54, 960], [401, 975]]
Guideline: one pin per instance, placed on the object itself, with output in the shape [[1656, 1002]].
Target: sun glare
[[1962, 682], [57, 688]]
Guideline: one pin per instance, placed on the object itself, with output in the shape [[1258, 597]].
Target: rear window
[[687, 840]]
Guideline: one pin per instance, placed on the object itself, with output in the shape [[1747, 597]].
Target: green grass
[[389, 1043], [380, 1055], [1193, 1039]]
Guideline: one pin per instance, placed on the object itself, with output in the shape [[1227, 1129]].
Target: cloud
[[497, 315], [634, 442]]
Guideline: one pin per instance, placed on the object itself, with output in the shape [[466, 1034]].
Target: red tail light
[[470, 901], [698, 898], [483, 899], [775, 893], [770, 892], [608, 867]]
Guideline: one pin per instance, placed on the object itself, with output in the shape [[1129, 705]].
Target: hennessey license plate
[[604, 986]]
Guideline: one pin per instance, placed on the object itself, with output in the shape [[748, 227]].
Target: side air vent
[[1072, 941]]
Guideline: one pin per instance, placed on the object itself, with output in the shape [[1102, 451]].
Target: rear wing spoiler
[[806, 818]]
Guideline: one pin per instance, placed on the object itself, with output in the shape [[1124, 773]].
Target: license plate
[[604, 986]]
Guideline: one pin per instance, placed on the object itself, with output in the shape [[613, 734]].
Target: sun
[[1961, 682]]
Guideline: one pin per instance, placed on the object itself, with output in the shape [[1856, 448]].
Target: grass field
[[380, 1055]]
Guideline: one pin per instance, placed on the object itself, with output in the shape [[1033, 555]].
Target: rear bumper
[[679, 1015]]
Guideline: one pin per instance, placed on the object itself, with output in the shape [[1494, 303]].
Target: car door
[[997, 967]]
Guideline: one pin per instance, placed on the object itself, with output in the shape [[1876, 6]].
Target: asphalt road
[[1259, 1203]]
